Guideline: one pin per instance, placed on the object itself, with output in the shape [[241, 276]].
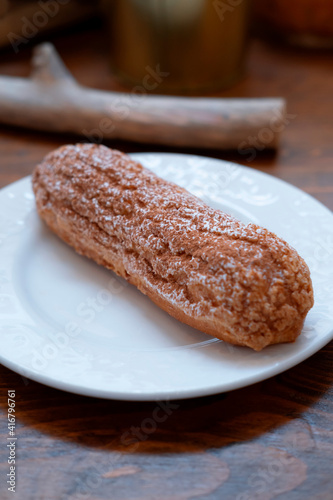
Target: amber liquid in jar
[[193, 45]]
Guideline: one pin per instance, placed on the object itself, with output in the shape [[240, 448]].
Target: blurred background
[[202, 44], [211, 48]]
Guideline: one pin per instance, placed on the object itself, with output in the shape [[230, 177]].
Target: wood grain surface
[[271, 440]]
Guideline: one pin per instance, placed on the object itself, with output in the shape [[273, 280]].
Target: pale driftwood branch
[[47, 67], [51, 100]]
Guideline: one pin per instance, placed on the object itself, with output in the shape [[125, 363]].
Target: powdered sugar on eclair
[[236, 281]]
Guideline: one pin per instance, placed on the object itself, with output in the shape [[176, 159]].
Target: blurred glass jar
[[188, 45], [306, 23]]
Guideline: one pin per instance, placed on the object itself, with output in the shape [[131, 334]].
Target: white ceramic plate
[[71, 324]]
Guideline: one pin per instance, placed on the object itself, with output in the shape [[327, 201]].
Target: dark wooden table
[[271, 440]]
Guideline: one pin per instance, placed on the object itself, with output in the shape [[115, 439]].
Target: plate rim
[[183, 393]]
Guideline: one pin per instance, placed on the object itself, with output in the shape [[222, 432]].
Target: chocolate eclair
[[238, 282]]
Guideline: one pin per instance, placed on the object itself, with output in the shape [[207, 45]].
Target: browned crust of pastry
[[237, 282]]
